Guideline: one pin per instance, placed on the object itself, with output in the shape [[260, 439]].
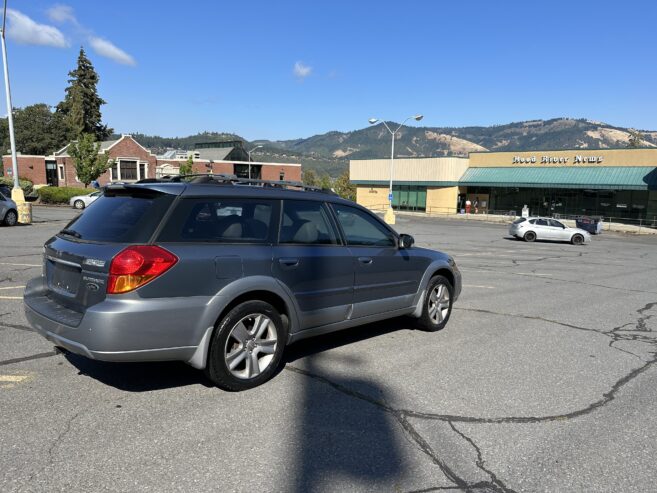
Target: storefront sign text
[[578, 159]]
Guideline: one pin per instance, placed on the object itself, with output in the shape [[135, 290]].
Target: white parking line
[[11, 297], [22, 265], [477, 286], [12, 287]]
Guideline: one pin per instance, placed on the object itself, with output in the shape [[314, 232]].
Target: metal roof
[[216, 153], [599, 177]]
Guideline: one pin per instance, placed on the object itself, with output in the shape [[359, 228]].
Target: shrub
[[59, 195], [26, 185]]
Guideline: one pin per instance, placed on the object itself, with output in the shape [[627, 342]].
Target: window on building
[[60, 172], [128, 170], [142, 171], [281, 176]]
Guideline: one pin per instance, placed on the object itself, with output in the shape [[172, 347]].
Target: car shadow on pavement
[[145, 377], [319, 344], [344, 441], [139, 377]]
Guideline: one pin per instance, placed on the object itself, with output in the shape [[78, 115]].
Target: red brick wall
[[126, 148], [31, 167], [273, 172]]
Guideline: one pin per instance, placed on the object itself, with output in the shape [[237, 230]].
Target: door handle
[[288, 261], [365, 260]]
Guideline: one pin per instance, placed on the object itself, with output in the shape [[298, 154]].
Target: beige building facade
[[618, 183]]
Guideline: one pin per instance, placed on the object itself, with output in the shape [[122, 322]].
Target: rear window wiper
[[71, 232]]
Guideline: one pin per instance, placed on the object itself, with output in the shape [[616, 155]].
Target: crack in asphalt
[[60, 436], [495, 484], [480, 463], [29, 358]]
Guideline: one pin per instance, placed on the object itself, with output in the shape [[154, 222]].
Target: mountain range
[[331, 152]]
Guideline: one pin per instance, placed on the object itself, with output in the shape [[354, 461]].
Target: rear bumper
[[121, 329]]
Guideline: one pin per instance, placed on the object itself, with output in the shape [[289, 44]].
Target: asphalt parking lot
[[545, 379]]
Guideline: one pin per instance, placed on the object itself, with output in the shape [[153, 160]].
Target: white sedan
[[544, 228], [82, 201]]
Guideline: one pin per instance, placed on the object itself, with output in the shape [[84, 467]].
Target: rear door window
[[120, 216], [541, 222], [220, 220], [307, 223]]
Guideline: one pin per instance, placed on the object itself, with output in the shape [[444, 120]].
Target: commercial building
[[620, 183], [131, 162]]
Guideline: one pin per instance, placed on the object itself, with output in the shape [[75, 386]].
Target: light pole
[[249, 153], [390, 214], [17, 192]]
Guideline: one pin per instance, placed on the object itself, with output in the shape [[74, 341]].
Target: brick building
[[132, 162]]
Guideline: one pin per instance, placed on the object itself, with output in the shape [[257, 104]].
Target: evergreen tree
[[635, 140], [81, 106], [310, 178], [325, 182], [344, 188], [187, 167], [89, 164]]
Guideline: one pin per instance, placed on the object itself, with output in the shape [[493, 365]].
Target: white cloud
[[24, 30], [62, 13], [108, 49], [301, 70]]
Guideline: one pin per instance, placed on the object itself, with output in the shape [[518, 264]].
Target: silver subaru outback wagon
[[224, 274]]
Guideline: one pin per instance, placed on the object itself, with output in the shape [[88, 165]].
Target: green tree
[[325, 182], [636, 139], [89, 164], [81, 106], [187, 167], [344, 188], [38, 130], [309, 178]]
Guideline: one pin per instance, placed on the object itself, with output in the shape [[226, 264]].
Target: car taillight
[[137, 265]]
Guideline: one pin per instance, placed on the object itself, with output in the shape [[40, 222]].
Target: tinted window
[[361, 228], [220, 220], [519, 220], [307, 223], [532, 221], [556, 224], [542, 222], [122, 217]]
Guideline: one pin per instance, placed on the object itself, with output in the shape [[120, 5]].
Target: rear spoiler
[[144, 186]]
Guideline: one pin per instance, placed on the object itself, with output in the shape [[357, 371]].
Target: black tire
[[427, 321], [217, 369], [78, 204], [529, 236], [577, 239], [11, 218]]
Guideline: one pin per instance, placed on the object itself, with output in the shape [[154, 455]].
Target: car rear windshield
[[120, 216], [520, 220]]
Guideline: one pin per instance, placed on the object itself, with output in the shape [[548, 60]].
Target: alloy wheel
[[439, 303], [250, 346], [11, 218]]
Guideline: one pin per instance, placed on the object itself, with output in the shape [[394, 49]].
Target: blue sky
[[279, 70]]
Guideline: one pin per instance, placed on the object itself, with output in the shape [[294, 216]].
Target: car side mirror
[[405, 241]]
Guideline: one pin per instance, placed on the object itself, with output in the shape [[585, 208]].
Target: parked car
[[82, 201], [5, 190], [543, 228], [8, 210], [160, 271]]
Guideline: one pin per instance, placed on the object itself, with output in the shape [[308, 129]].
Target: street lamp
[[249, 153], [16, 193], [390, 214]]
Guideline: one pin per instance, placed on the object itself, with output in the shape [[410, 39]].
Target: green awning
[[597, 177]]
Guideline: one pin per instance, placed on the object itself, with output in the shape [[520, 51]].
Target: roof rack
[[225, 179]]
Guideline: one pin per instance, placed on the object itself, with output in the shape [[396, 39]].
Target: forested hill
[[331, 151]]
